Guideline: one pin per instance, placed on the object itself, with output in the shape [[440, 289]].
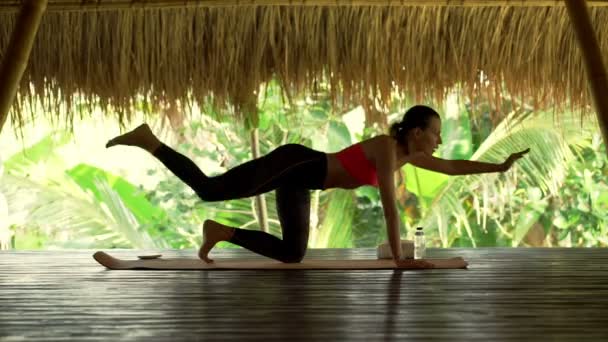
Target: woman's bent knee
[[293, 257], [208, 196]]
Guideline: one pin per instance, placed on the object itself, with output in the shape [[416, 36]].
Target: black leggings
[[292, 170]]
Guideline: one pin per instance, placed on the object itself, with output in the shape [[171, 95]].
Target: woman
[[292, 170]]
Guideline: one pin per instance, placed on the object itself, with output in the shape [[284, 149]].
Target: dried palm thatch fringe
[[109, 5], [110, 57]]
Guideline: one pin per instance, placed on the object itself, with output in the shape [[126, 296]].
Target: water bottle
[[419, 244]]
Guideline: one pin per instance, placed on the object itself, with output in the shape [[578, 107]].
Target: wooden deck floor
[[506, 294]]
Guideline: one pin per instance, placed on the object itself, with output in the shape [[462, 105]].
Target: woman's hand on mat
[[414, 263], [458, 262], [512, 158]]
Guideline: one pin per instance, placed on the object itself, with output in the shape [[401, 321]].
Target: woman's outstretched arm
[[463, 167]]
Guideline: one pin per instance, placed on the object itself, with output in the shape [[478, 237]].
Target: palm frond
[[123, 219], [66, 209], [336, 229]]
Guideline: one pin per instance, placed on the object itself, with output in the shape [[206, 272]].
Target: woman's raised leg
[[287, 164]]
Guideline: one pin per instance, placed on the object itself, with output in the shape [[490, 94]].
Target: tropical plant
[[67, 217], [578, 215]]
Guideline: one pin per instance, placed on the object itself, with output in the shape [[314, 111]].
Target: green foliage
[[579, 215], [425, 184], [42, 151], [74, 218], [87, 176], [47, 208], [367, 223], [335, 231]]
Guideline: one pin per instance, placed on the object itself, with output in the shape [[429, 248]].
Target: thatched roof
[[188, 53], [100, 5]]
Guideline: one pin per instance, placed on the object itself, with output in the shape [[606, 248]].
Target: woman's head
[[419, 130]]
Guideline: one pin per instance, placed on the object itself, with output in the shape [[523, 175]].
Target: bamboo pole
[[592, 56], [17, 53], [100, 5]]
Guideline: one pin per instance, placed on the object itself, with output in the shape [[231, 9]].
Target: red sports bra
[[357, 165]]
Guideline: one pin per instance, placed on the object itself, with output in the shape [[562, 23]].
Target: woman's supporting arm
[[385, 169]]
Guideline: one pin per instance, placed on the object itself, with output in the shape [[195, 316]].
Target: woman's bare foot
[[141, 136], [213, 233]]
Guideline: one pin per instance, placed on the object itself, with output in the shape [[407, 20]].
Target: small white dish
[[146, 257]]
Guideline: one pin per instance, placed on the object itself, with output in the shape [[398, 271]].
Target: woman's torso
[[339, 177]]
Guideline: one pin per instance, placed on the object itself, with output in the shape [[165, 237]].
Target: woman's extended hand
[[512, 158]]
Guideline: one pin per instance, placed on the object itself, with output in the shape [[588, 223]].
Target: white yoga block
[[407, 250]]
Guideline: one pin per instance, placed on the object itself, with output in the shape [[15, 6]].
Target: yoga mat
[[248, 264]]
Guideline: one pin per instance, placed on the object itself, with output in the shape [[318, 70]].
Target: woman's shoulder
[[378, 145]]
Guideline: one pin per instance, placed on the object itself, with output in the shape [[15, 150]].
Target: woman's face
[[427, 140]]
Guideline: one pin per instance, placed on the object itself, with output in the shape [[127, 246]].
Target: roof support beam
[[592, 57], [101, 5], [18, 53]]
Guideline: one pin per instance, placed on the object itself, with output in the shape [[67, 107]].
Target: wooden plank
[[506, 294], [95, 5]]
